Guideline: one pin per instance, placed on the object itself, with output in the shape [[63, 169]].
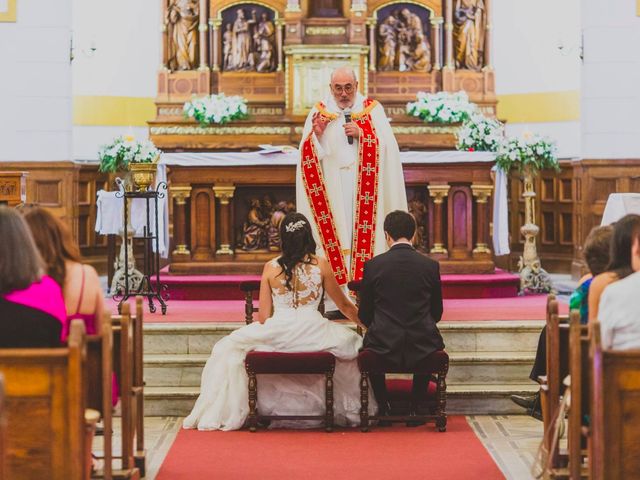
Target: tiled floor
[[511, 440]]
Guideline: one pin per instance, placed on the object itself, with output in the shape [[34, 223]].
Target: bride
[[291, 289]]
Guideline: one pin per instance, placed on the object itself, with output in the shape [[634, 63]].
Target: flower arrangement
[[441, 107], [527, 152], [125, 150], [216, 109], [479, 133]]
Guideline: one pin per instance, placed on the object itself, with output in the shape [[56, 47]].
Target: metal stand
[[151, 260]]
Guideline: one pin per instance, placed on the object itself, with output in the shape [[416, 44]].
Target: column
[[438, 192], [371, 23], [224, 194], [482, 194], [448, 35], [487, 37], [164, 50], [180, 195], [215, 43], [436, 41], [202, 31], [279, 43]]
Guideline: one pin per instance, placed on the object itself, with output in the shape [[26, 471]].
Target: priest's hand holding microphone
[[351, 130]]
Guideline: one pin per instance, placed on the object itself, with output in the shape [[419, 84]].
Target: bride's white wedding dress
[[296, 326]]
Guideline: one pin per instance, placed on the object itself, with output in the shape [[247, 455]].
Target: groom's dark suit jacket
[[400, 303]]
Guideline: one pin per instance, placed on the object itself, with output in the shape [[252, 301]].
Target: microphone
[[347, 119]]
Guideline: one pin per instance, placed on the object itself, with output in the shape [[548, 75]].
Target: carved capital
[[224, 193], [437, 21], [438, 192], [203, 27], [180, 194], [482, 192]]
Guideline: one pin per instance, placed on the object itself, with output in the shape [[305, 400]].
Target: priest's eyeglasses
[[348, 88]]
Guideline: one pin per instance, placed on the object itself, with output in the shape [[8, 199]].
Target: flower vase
[[143, 175], [533, 278]]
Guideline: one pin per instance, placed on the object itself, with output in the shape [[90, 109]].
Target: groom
[[400, 303]]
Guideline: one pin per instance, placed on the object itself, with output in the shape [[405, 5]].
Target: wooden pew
[[3, 430], [139, 455], [45, 407], [580, 371], [615, 411]]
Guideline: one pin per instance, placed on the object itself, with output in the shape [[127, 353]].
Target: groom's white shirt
[[619, 314]]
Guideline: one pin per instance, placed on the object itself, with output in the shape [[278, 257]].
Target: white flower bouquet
[[529, 151], [125, 150], [216, 109], [441, 107], [481, 134]]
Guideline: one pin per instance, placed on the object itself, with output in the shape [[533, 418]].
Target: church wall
[[35, 85], [610, 76]]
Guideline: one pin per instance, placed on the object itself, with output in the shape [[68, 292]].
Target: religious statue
[[387, 44], [340, 161], [418, 209], [242, 57], [469, 33], [182, 22], [254, 229], [326, 8], [273, 230], [265, 44], [227, 47], [402, 43]]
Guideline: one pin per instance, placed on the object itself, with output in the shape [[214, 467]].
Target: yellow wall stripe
[[539, 107], [513, 108], [113, 111], [9, 14]]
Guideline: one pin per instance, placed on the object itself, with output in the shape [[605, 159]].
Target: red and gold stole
[[366, 197]]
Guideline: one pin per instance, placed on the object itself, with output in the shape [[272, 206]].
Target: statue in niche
[[326, 8], [254, 229], [227, 47], [387, 44], [265, 44], [273, 231], [402, 43], [182, 22], [242, 57], [418, 209], [469, 33]]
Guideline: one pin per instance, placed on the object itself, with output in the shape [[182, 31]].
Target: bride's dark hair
[[297, 244]]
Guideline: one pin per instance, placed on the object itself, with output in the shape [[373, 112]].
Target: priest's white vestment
[[346, 177]]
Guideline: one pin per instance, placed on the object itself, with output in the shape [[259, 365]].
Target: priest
[[349, 176]]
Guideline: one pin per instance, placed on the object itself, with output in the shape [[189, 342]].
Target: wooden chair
[[615, 411], [580, 371], [399, 391], [45, 408], [3, 430], [139, 454], [280, 363]]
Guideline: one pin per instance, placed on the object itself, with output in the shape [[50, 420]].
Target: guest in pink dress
[[80, 283], [32, 309]]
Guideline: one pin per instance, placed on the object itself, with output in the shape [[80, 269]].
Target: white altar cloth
[[234, 159], [618, 205]]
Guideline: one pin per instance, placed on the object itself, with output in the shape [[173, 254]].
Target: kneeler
[[432, 407], [281, 363]]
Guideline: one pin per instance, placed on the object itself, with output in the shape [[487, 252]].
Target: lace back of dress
[[306, 287]]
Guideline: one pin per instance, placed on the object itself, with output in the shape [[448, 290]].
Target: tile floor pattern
[[511, 440]]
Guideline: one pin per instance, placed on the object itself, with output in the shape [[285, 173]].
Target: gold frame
[[10, 15], [638, 8]]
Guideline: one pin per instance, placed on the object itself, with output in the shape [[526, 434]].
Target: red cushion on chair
[[371, 362], [278, 362], [399, 389]]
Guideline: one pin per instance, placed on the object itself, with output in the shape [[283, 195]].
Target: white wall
[[35, 84], [610, 79]]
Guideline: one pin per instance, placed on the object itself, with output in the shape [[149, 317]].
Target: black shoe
[[334, 315], [384, 411], [527, 403]]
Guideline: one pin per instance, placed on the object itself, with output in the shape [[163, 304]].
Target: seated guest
[[619, 264], [619, 312], [400, 303], [32, 311], [596, 255], [80, 283]]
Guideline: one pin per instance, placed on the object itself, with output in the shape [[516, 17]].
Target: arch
[[218, 6], [434, 6]]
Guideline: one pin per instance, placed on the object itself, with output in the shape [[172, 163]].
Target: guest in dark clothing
[[32, 312], [400, 303], [596, 254]]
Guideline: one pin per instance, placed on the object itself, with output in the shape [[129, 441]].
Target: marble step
[[494, 336], [472, 399], [465, 368]]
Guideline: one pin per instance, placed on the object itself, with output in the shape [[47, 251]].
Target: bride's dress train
[[296, 326]]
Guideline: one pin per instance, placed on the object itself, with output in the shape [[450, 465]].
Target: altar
[[223, 207]]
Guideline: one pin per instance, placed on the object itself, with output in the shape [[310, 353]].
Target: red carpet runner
[[385, 453]]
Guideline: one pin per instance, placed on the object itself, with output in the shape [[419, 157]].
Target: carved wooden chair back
[[580, 371]]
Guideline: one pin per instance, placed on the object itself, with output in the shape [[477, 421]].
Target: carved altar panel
[[203, 214], [255, 87], [13, 188], [460, 217]]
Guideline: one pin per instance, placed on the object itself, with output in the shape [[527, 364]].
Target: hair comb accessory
[[294, 226]]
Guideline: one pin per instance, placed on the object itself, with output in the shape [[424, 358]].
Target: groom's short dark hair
[[399, 224]]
